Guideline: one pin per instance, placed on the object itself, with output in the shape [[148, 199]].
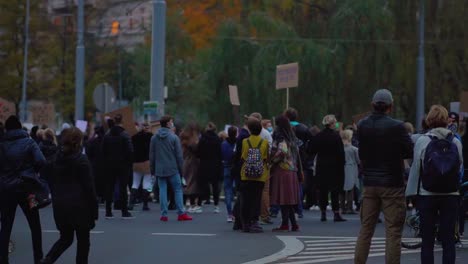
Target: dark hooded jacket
[[73, 192], [20, 155], [117, 148], [211, 157]]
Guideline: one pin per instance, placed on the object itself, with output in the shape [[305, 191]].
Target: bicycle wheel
[[411, 238]]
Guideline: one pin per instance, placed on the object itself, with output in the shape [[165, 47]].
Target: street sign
[[104, 98], [234, 95], [287, 76], [150, 107]]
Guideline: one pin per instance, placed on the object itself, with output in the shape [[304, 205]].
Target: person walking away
[[141, 169], [20, 157], [351, 170], [117, 150], [265, 207], [329, 149], [383, 145], [211, 167], [166, 163], [74, 198], [95, 156], [228, 149], [286, 173], [189, 138], [254, 173], [434, 179]]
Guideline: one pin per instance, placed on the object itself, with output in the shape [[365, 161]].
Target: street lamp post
[[158, 53], [24, 107], [421, 70], [80, 64]]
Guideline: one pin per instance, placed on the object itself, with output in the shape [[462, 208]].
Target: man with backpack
[[117, 150], [383, 145], [254, 173], [434, 179]]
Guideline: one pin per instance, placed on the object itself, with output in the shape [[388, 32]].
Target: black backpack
[[441, 166]]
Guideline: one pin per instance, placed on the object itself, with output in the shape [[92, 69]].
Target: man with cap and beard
[[383, 145]]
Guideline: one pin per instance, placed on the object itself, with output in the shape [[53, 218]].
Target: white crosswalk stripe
[[323, 249]]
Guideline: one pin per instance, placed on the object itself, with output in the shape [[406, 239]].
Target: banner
[[42, 113]]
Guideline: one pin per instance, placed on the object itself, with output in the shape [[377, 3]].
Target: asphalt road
[[210, 239]]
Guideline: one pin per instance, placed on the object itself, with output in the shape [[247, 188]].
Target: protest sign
[[234, 95]]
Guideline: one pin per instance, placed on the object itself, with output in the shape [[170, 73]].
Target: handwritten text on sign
[[287, 76]]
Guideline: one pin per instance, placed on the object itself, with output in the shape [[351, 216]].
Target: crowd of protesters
[[264, 168]]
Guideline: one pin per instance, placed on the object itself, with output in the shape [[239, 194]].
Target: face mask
[[270, 129]]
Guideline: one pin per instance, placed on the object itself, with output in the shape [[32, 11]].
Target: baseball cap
[[383, 96]]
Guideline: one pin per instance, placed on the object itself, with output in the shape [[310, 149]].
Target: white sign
[[234, 95], [82, 125], [287, 76]]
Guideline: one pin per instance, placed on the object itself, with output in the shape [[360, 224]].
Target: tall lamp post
[[158, 52], [80, 64], [24, 107], [421, 70]]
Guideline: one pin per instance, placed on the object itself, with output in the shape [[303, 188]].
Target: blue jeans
[[445, 210], [300, 207], [228, 189], [176, 184]]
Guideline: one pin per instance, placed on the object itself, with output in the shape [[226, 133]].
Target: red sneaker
[[295, 228], [184, 217], [164, 218], [282, 228]]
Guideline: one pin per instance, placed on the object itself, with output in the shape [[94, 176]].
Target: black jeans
[[66, 240], [114, 174], [287, 215], [251, 198], [8, 204], [215, 186], [324, 189], [445, 210]]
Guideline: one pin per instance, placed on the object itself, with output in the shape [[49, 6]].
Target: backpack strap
[[248, 142], [260, 143]]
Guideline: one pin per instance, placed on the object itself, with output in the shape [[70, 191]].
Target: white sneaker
[[230, 219], [191, 210], [198, 210], [216, 210]]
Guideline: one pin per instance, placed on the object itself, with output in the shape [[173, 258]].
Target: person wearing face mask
[[267, 125]]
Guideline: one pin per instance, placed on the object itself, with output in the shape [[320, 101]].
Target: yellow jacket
[[264, 149]]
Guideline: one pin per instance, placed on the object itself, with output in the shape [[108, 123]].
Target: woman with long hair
[[286, 173], [74, 198], [189, 141]]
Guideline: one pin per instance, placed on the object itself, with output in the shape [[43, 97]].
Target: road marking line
[[341, 247], [331, 252], [182, 234], [56, 231], [292, 246]]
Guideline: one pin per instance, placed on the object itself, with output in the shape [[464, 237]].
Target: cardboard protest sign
[[6, 109], [359, 117], [127, 119], [234, 95], [287, 75], [42, 113]]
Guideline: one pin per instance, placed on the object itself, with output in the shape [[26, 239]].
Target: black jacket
[[73, 193], [117, 148], [383, 145], [211, 157], [20, 155], [329, 149], [141, 145]]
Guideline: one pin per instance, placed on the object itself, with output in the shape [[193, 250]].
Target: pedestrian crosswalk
[[320, 249]]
